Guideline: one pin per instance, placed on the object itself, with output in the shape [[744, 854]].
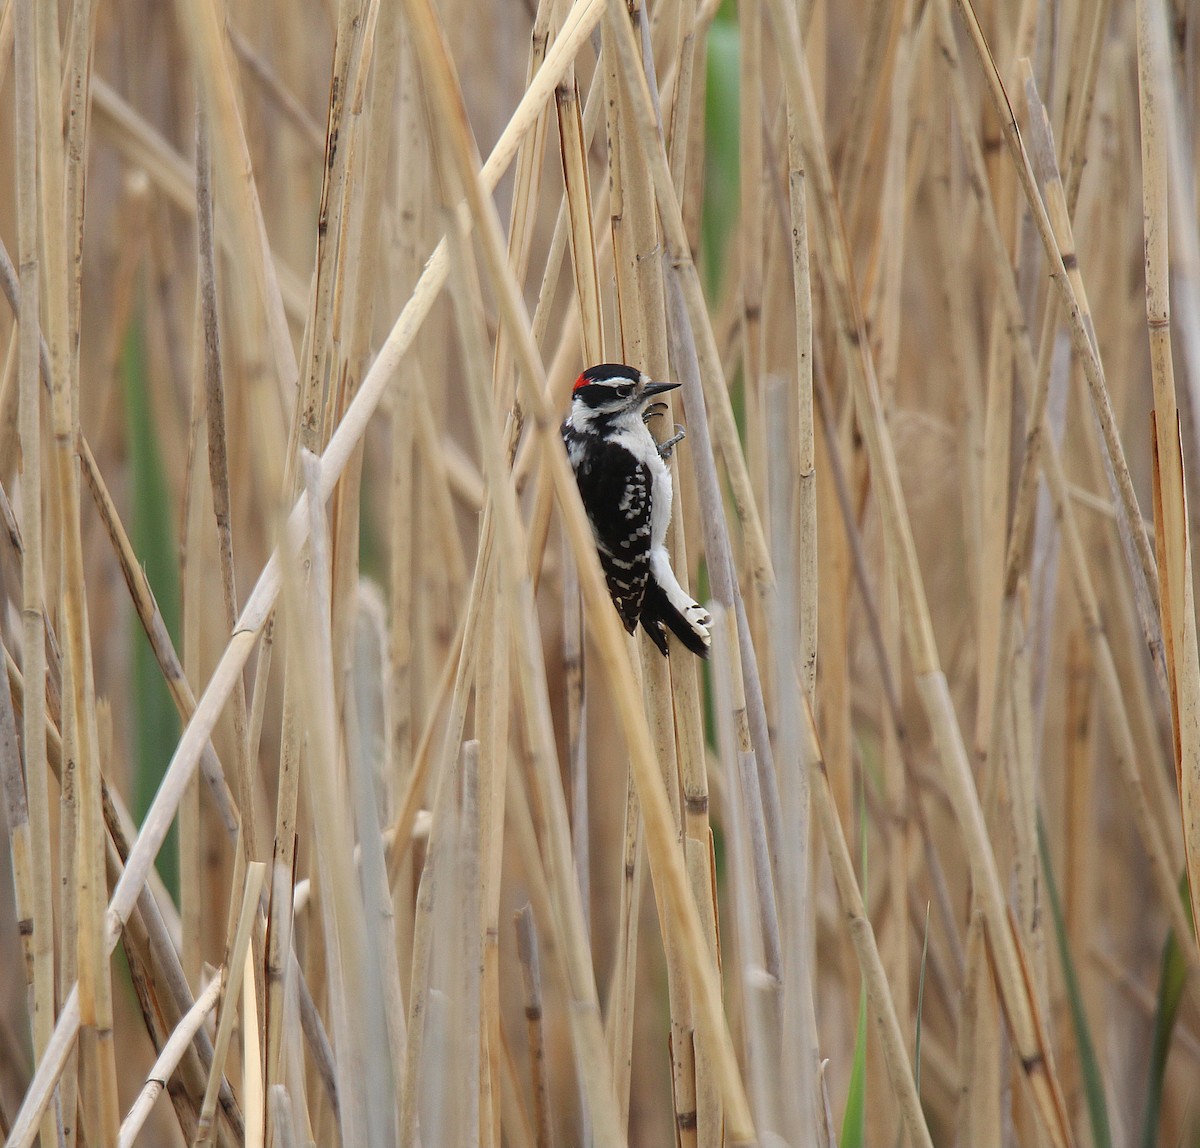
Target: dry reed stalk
[[367, 722], [1078, 856], [526, 182], [406, 398], [231, 981], [622, 984], [314, 400], [685, 674], [21, 845], [7, 35], [644, 341], [356, 1017], [527, 951], [495, 704], [1028, 1028], [470, 948], [41, 923], [579, 214], [800, 1057], [218, 470], [483, 821], [806, 475], [682, 102], [191, 885], [750, 229], [358, 614], [252, 1081], [427, 896], [893, 238], [980, 1062], [1171, 523], [236, 185], [77, 76]]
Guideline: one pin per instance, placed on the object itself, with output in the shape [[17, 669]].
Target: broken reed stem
[[231, 983]]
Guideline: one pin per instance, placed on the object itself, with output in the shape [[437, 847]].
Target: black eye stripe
[[597, 394]]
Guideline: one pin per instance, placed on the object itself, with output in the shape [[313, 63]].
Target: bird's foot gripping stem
[[667, 447]]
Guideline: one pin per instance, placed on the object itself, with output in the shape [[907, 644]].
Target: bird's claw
[[666, 448], [654, 411]]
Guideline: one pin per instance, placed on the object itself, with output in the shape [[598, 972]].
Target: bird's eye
[[625, 391]]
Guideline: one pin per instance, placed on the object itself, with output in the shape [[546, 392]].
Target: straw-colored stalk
[[41, 923], [218, 468], [236, 187], [231, 983], [1170, 500], [579, 205]]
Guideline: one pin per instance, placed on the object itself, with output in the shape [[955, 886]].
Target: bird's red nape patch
[[582, 381]]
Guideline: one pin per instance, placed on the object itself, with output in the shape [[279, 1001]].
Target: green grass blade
[[156, 723], [921, 1004], [722, 161], [1171, 981], [1172, 977], [854, 1119], [1093, 1080]]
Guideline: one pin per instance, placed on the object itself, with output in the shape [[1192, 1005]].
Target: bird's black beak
[[652, 389]]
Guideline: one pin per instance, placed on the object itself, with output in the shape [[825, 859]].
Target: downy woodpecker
[[626, 488]]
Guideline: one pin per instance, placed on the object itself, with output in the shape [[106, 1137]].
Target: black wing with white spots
[[615, 488]]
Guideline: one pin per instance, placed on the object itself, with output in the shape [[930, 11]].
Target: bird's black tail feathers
[[657, 609]]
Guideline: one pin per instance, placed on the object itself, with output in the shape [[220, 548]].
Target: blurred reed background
[[438, 855]]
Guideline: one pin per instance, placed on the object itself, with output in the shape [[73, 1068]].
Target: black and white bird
[[626, 488]]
